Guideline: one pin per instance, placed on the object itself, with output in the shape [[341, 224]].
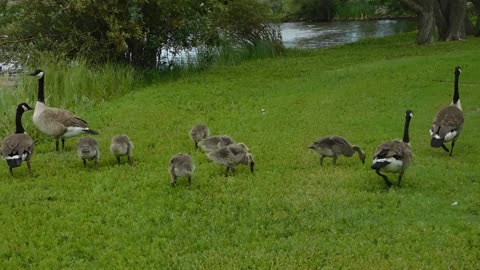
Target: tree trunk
[[450, 19], [425, 19], [476, 4]]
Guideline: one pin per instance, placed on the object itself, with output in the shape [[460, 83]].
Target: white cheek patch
[[24, 108], [451, 135], [40, 75]]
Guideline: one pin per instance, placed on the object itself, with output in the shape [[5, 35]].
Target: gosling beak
[[252, 164]]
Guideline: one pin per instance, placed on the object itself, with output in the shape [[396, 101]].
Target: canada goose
[[181, 165], [87, 148], [54, 122], [213, 143], [232, 155], [448, 122], [198, 133], [121, 146], [19, 146], [394, 156], [333, 146]]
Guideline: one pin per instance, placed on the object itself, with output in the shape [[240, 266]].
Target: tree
[[448, 16]]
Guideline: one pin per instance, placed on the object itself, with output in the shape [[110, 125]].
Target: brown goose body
[[181, 165], [394, 156], [333, 146], [54, 122], [198, 133], [231, 156], [448, 122], [18, 147]]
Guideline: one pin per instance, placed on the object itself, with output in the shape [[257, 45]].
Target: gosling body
[[216, 142], [181, 165], [198, 133], [121, 145], [232, 155], [87, 149], [334, 146]]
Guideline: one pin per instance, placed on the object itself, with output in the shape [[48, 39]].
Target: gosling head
[[37, 73], [361, 153]]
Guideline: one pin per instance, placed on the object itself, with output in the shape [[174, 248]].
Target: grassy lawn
[[291, 213]]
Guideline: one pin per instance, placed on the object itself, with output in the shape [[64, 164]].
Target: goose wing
[[396, 149], [17, 144], [447, 120], [64, 117], [335, 143]]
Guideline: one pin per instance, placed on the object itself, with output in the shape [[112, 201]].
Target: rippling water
[[307, 35]]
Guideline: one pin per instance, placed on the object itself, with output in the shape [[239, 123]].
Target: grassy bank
[[291, 213]]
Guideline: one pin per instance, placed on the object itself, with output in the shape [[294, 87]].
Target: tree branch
[[25, 39], [412, 5]]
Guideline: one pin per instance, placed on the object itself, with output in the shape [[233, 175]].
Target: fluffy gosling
[[122, 146], [87, 148], [181, 165]]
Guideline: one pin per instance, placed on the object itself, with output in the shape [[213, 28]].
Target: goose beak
[[252, 164], [32, 74]]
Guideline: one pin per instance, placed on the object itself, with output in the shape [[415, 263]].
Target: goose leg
[[233, 171], [84, 163], [96, 163], [196, 145], [63, 144], [451, 149], [445, 148], [189, 181], [130, 160], [321, 160], [384, 178], [118, 160], [174, 180], [399, 179], [56, 144], [335, 160], [226, 173], [29, 167], [11, 171]]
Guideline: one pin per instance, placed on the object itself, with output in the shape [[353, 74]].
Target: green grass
[[291, 213]]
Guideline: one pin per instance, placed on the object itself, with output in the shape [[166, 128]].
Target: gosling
[[198, 133], [333, 146], [88, 149], [122, 146], [213, 143], [232, 155], [181, 165]]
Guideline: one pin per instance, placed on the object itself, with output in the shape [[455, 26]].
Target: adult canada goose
[[19, 146], [55, 122], [394, 156], [448, 122], [232, 155], [213, 143], [181, 165], [198, 133], [333, 146], [121, 146], [87, 148]]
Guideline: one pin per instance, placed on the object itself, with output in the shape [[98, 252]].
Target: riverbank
[[292, 213]]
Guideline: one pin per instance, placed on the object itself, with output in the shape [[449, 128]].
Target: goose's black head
[[38, 73], [23, 107], [458, 70], [409, 114]]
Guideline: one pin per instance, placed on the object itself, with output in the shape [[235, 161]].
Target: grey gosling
[[122, 146], [198, 133], [232, 155], [181, 165], [448, 122], [54, 122], [18, 147], [216, 142], [394, 156], [333, 146], [88, 149]]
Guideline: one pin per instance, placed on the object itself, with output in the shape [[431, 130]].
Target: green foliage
[[133, 31], [313, 10], [292, 213]]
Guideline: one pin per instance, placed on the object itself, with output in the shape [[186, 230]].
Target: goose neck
[[406, 138], [456, 94], [18, 121], [41, 94]]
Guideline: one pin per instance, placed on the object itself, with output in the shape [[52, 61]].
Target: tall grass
[[73, 85], [359, 9]]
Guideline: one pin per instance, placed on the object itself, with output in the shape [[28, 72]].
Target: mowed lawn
[[291, 213]]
